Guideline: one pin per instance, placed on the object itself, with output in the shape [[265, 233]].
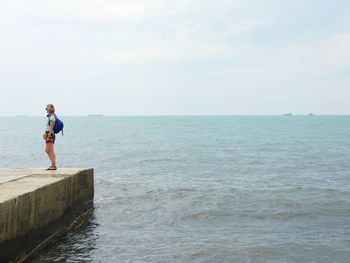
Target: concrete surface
[[36, 205]]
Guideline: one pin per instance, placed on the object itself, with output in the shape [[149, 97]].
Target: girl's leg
[[47, 150], [51, 153]]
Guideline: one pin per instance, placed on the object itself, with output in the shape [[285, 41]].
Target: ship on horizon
[[95, 115]]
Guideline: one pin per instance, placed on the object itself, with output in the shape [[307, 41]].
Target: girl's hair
[[51, 107]]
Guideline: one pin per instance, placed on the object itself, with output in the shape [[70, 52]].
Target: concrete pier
[[36, 205]]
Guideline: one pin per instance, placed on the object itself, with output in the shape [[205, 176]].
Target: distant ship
[[311, 114], [287, 114]]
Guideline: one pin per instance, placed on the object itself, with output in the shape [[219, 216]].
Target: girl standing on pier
[[49, 136]]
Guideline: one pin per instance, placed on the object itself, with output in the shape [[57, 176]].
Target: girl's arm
[[52, 124]]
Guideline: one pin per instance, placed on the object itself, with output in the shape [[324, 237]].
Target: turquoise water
[[200, 189]]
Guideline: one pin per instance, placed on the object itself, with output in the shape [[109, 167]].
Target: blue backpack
[[58, 124]]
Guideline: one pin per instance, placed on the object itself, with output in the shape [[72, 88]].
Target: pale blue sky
[[183, 57]]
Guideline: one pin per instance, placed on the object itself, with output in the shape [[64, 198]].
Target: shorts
[[50, 139]]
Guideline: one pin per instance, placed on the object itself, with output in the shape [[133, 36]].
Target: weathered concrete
[[36, 204]]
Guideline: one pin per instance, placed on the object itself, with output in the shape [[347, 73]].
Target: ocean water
[[200, 189]]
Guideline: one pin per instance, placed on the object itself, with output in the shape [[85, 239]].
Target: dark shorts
[[50, 139]]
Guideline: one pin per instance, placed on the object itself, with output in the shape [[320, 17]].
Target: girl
[[49, 136]]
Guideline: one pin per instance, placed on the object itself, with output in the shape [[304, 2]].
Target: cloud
[[321, 57], [178, 50], [223, 51], [243, 27]]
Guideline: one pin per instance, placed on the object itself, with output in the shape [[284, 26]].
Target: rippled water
[[200, 189]]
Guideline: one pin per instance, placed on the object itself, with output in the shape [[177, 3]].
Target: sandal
[[51, 168]]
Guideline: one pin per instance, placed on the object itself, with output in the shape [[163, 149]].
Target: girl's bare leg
[[51, 153]]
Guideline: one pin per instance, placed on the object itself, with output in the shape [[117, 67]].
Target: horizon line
[[183, 115]]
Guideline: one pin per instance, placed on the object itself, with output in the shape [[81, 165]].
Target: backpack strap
[[49, 115], [52, 113]]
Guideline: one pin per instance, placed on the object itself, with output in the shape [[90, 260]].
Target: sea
[[199, 188]]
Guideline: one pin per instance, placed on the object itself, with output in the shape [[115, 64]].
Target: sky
[[182, 57]]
